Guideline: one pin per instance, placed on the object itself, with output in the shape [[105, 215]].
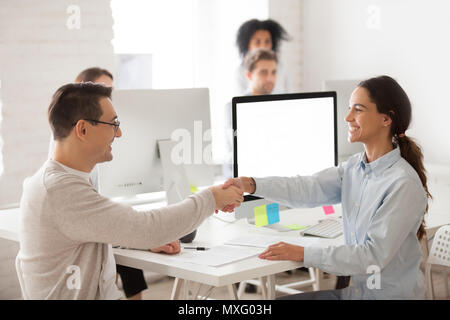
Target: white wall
[[38, 54], [289, 13], [342, 41]]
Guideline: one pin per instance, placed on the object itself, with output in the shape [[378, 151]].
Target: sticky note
[[193, 188], [267, 214], [273, 213], [328, 209], [296, 227], [261, 216]]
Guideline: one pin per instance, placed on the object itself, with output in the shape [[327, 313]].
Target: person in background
[[261, 67], [96, 75], [384, 197], [133, 280], [254, 34], [67, 229]]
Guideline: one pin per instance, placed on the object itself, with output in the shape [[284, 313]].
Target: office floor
[[160, 287]]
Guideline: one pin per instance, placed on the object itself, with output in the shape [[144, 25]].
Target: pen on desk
[[196, 248]]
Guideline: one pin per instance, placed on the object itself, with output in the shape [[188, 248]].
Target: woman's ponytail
[[412, 153]]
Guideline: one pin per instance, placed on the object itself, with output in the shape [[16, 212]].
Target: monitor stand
[[176, 182], [175, 179]]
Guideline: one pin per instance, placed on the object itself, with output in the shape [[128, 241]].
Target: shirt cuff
[[312, 257], [261, 186]]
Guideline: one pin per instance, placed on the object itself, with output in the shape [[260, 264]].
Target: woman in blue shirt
[[384, 197]]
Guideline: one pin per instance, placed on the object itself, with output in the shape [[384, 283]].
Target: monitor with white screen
[[149, 116], [344, 89], [283, 135]]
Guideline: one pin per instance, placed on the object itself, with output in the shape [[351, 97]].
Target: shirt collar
[[84, 175], [378, 166]]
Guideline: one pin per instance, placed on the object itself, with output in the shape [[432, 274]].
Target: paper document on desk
[[218, 255], [263, 241]]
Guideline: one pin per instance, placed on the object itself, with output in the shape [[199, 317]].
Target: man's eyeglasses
[[115, 124]]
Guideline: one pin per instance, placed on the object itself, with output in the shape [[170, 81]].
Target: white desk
[[212, 232]]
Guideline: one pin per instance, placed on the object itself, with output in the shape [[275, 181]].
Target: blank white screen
[[285, 137]]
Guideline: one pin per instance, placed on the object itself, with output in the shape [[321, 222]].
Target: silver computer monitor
[[149, 116], [344, 89], [283, 135]]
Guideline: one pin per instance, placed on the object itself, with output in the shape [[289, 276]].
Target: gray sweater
[[65, 225]]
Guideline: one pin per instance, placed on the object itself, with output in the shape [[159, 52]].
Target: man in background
[[261, 72]]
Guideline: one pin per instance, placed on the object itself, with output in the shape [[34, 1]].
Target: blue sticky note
[[273, 213]]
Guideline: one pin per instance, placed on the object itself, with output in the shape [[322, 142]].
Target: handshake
[[230, 195]]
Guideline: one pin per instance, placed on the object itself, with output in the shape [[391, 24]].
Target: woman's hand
[[283, 251], [170, 248], [246, 184]]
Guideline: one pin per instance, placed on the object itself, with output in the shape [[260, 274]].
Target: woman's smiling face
[[365, 123]]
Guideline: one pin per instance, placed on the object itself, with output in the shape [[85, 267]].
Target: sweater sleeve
[[83, 215]]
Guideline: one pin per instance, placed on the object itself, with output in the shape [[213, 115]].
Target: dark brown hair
[[92, 74], [75, 101], [256, 55], [392, 100]]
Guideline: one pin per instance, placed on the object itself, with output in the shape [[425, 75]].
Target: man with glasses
[[67, 228], [133, 280], [96, 75]]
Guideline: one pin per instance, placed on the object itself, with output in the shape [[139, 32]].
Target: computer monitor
[[147, 117], [344, 89], [283, 135]]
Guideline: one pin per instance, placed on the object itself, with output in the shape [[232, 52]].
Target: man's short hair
[[256, 55], [73, 102], [92, 74]]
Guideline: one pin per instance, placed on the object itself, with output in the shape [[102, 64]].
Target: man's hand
[[244, 183], [170, 248], [231, 196], [283, 251]]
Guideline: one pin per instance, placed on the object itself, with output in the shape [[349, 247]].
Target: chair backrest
[[20, 276], [440, 249]]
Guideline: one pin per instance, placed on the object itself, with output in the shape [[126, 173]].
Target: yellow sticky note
[[296, 227], [193, 188], [261, 216]]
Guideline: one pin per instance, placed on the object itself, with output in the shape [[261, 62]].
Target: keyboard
[[328, 228]]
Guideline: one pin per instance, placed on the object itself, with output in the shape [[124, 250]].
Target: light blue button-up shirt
[[383, 204]]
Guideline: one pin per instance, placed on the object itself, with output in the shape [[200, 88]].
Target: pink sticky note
[[328, 209]]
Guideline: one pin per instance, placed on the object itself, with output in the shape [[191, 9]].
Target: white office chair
[[439, 255], [20, 276]]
